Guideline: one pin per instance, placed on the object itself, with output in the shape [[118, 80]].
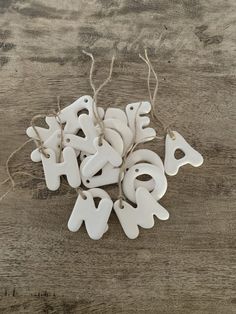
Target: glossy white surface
[[139, 123], [115, 140], [83, 155], [131, 218], [95, 218], [83, 143], [156, 173], [69, 115], [191, 157], [140, 156], [116, 113], [109, 175], [104, 154], [53, 170], [53, 142], [122, 129], [43, 132]]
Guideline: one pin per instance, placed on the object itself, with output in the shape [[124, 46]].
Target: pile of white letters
[[72, 146]]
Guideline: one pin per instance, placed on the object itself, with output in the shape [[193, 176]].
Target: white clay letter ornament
[[98, 147], [95, 218], [130, 218], [104, 153], [69, 115], [140, 156], [53, 170], [138, 123], [191, 157], [129, 184]]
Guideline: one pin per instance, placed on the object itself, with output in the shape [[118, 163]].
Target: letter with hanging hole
[[138, 123], [122, 129], [116, 113], [83, 143], [104, 153], [53, 142], [140, 156], [43, 132], [131, 218], [191, 157], [109, 175], [130, 184], [53, 170], [95, 218], [69, 115], [114, 139]]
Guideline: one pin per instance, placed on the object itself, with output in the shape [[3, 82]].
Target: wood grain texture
[[184, 265]]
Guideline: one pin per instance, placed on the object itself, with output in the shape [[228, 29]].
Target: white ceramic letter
[[95, 218], [129, 184], [53, 170], [109, 175], [130, 217], [138, 123], [69, 115], [104, 154], [191, 157]]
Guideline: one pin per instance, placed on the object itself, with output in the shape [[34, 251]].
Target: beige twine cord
[[153, 97], [40, 146], [10, 176], [57, 116], [96, 91], [154, 116], [80, 192]]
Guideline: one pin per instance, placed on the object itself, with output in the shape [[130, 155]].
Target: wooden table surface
[[184, 265]]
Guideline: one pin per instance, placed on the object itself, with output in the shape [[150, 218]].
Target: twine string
[[39, 142], [10, 176], [121, 197], [81, 193], [56, 114], [96, 91], [153, 115], [122, 167], [129, 151], [153, 96]]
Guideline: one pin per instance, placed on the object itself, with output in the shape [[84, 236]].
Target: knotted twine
[[39, 142]]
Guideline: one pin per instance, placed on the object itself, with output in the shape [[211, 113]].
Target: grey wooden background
[[184, 265]]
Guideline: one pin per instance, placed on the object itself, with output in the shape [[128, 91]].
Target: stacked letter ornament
[[96, 162]]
